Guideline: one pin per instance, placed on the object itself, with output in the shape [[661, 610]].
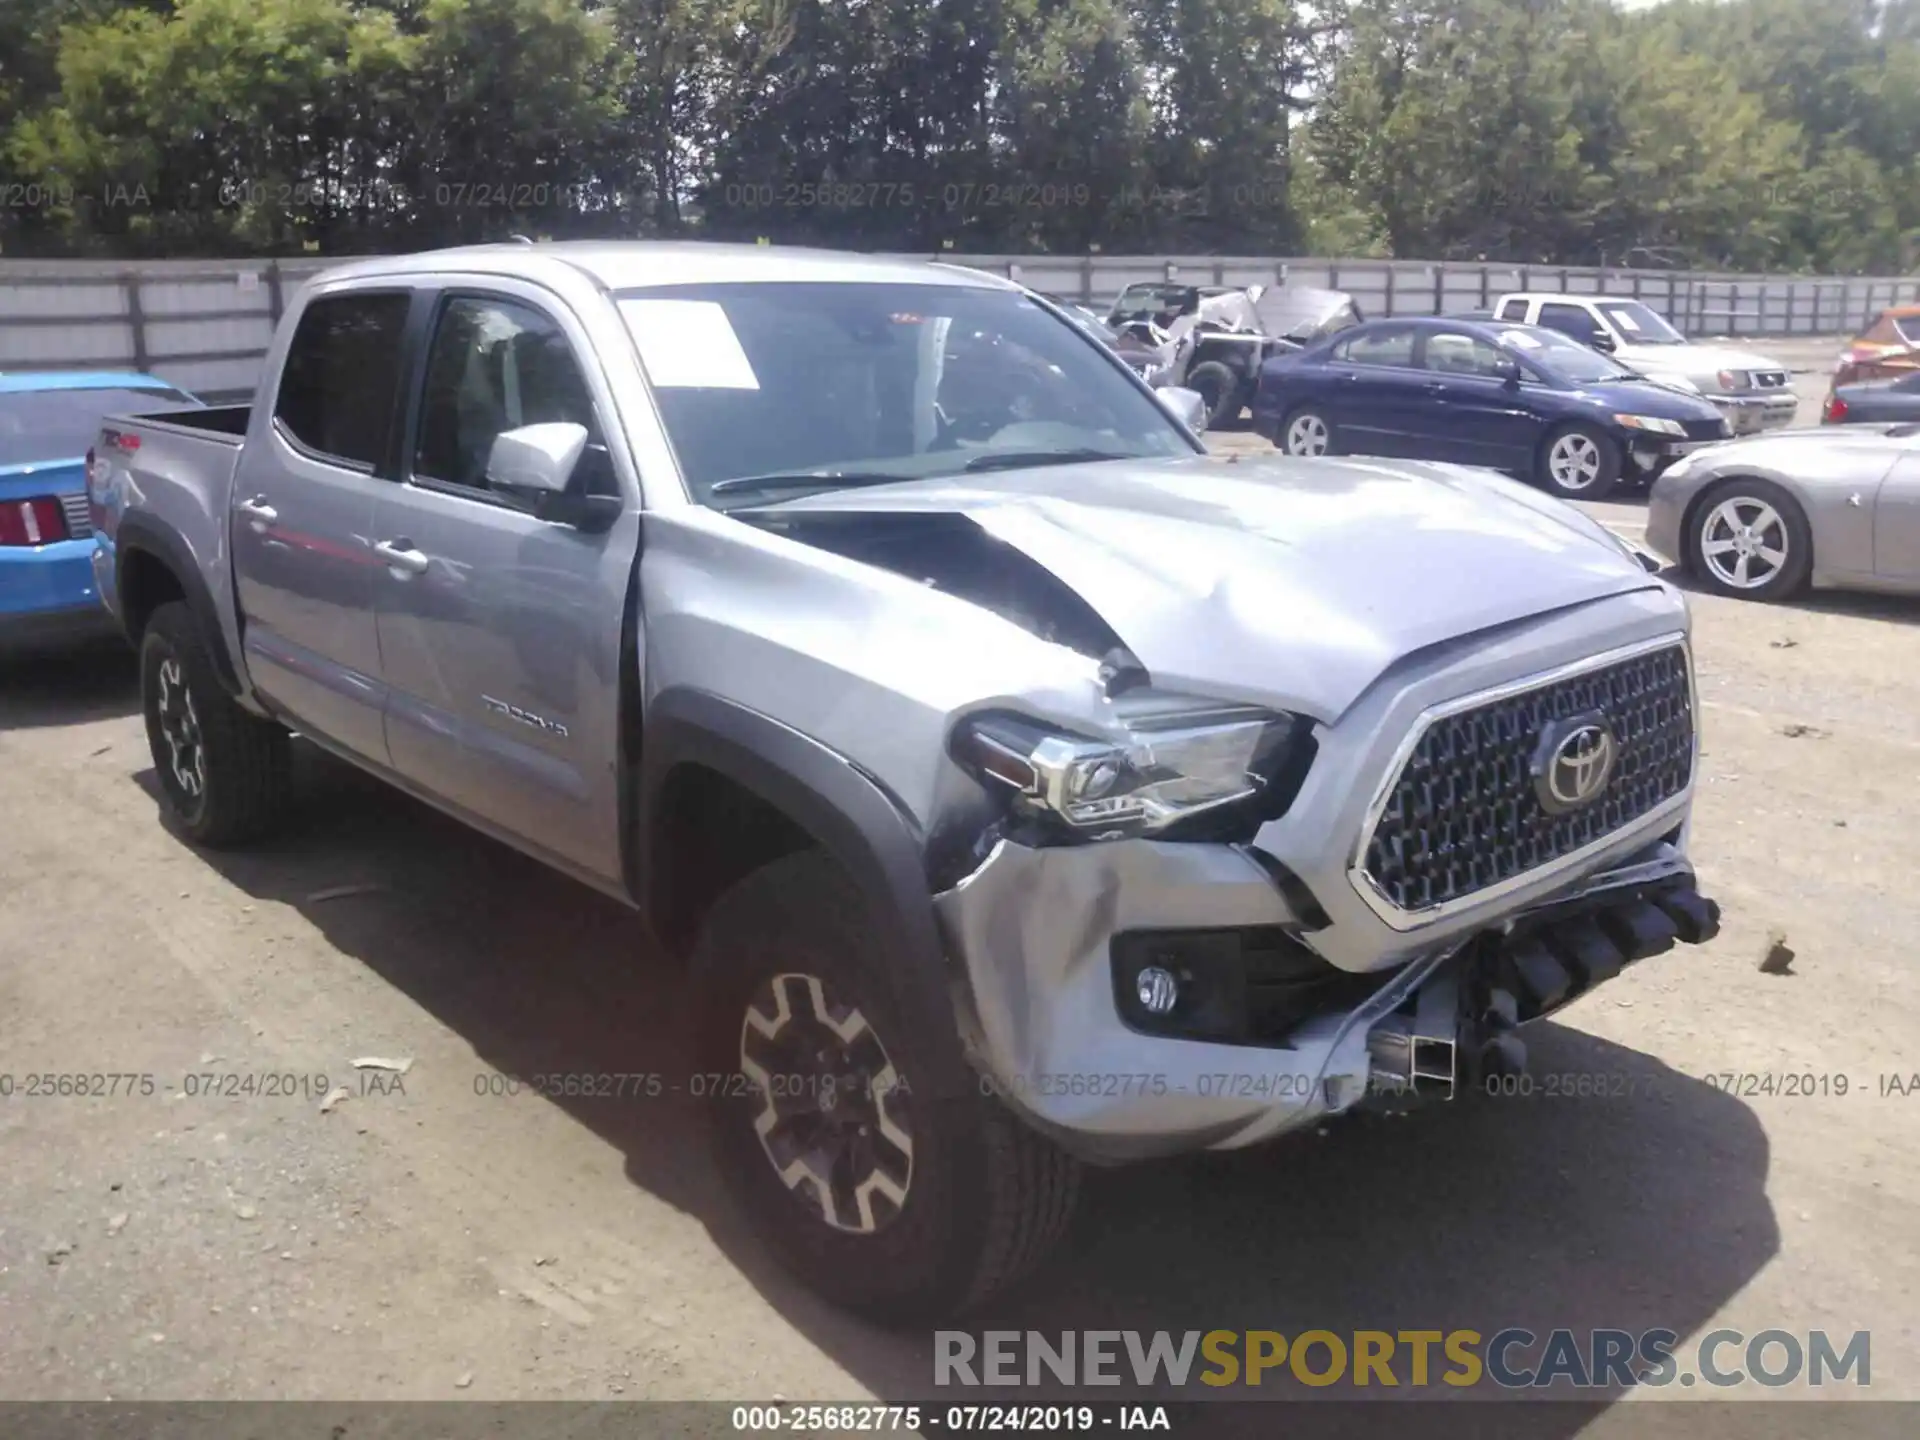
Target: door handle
[[402, 559], [259, 514]]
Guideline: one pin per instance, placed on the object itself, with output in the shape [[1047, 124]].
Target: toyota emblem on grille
[[1573, 762]]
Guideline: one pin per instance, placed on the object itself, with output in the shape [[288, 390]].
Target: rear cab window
[[1513, 310], [341, 380], [1574, 320]]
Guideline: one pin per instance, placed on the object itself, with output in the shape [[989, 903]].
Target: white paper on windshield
[[1624, 321], [1520, 338], [688, 345]]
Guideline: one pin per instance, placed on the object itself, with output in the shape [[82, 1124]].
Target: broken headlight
[[1170, 765]]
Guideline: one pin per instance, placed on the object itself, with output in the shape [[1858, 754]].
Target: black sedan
[[1871, 401], [1510, 397]]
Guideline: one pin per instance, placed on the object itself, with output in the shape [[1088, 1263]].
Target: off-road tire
[[1789, 578], [1609, 460], [988, 1196], [245, 767], [1217, 383]]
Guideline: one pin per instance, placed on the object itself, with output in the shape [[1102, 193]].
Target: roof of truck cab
[[25, 382], [640, 264]]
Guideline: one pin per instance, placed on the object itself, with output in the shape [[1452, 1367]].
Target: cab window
[[1389, 345], [495, 365]]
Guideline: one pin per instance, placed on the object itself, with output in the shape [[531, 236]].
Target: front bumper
[[1752, 413], [1650, 455], [1043, 937], [1042, 1009]]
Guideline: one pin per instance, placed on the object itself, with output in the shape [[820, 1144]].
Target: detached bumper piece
[[1459, 1027]]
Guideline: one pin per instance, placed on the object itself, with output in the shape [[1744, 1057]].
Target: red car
[[1886, 350]]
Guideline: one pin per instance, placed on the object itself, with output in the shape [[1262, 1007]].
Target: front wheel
[[224, 773], [1218, 385], [1749, 539], [1579, 462], [847, 1123]]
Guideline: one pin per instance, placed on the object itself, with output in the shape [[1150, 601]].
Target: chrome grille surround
[[1648, 692]]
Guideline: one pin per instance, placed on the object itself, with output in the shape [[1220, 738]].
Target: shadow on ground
[[1646, 1210], [69, 686], [1857, 604]]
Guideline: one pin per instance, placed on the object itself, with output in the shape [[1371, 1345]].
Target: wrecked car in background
[[1212, 339], [1021, 784]]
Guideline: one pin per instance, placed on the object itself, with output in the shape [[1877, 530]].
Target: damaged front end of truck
[[1247, 791]]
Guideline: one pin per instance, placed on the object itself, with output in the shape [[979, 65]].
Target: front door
[[1477, 416], [500, 632], [303, 506], [1896, 519]]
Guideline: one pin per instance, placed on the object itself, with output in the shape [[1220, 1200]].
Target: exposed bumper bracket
[[1459, 1027]]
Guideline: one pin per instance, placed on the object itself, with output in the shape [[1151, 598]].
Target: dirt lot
[[449, 1242]]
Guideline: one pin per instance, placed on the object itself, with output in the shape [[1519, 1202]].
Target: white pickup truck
[[1753, 392]]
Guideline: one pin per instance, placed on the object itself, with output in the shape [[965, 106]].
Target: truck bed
[[228, 423]]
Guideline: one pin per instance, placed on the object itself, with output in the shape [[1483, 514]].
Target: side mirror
[[1603, 342], [1507, 370], [540, 458], [1189, 407]]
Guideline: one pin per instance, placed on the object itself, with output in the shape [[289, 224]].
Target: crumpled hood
[[1696, 362], [1284, 582]]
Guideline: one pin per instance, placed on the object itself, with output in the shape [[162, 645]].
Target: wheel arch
[[723, 789], [152, 566]]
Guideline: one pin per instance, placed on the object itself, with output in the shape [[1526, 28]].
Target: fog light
[[1158, 990]]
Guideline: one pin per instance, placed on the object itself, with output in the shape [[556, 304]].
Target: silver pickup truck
[[1022, 785]]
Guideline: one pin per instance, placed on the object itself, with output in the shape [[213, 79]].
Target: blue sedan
[[48, 419], [1510, 397]]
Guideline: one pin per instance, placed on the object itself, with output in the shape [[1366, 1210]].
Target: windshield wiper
[[1020, 459], [795, 480]]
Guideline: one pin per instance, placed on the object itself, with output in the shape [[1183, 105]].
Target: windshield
[[1909, 328], [1638, 325], [830, 384], [41, 425], [1559, 356]]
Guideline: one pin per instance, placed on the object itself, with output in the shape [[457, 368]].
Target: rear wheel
[[1579, 462], [1308, 432], [224, 773], [1749, 539], [849, 1127]]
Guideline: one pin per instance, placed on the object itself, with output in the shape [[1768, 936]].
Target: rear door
[[500, 632], [303, 503], [1376, 394]]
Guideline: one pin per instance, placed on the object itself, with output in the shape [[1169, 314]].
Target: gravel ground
[[424, 1238]]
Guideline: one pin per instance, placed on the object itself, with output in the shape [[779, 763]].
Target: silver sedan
[[1765, 517]]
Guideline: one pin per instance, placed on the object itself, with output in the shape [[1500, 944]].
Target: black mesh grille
[[1463, 814], [1714, 429]]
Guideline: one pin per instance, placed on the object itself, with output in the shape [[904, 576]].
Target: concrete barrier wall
[[205, 324]]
